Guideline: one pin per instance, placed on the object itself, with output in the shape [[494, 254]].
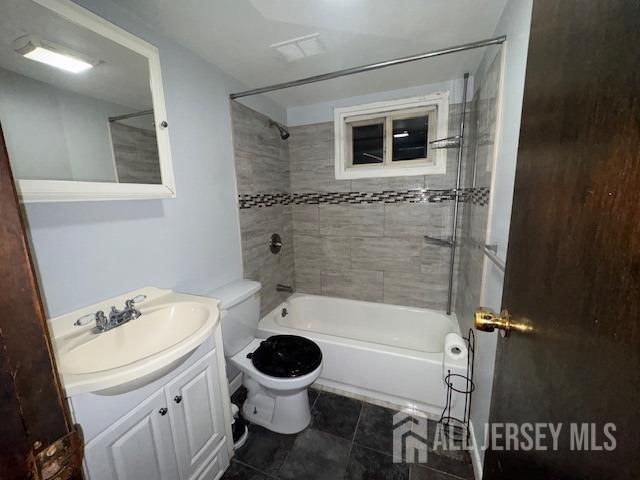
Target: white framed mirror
[[81, 106]]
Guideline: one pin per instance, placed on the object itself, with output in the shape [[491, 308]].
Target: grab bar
[[490, 252]]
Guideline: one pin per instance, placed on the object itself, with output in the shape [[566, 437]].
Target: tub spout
[[284, 288]]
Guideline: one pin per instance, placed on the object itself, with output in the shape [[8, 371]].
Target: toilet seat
[[245, 365], [286, 356]]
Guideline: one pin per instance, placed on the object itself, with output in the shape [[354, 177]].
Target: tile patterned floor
[[347, 440]]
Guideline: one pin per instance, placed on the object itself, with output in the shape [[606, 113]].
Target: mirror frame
[[71, 190]]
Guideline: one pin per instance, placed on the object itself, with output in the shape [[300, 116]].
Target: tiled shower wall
[[367, 251], [360, 239], [135, 152], [477, 164], [262, 167]]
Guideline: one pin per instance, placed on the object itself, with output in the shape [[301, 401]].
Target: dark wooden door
[[33, 415], [573, 264]]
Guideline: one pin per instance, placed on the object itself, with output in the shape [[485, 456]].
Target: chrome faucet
[[284, 288], [116, 317]]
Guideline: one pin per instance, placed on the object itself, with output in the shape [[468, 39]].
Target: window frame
[[363, 121], [346, 117]]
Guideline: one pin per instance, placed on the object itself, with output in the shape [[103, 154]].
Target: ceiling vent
[[301, 47]]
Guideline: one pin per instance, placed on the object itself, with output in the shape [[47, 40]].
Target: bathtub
[[386, 354]]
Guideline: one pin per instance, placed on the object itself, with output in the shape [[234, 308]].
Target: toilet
[[276, 371]]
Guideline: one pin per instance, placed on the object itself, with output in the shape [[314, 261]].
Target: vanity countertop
[[170, 326]]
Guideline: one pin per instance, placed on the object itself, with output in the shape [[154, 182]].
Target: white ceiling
[[236, 35], [122, 78]]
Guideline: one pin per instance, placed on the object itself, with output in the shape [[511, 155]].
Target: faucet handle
[[137, 299], [102, 322], [85, 320], [101, 319]]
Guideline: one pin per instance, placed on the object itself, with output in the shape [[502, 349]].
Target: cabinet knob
[[177, 398], [163, 411], [164, 124]]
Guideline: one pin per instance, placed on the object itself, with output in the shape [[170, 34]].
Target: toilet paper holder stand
[[454, 427]]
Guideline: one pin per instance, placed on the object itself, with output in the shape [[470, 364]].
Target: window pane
[[410, 138], [368, 144]]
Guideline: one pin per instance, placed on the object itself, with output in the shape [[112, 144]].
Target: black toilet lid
[[286, 356]]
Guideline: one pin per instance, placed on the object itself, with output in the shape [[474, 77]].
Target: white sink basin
[[171, 327], [154, 332]]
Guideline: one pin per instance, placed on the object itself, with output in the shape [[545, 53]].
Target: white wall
[[323, 112], [515, 24], [32, 127], [37, 116], [89, 251]]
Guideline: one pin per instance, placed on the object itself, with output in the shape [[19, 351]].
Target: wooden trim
[[13, 438], [30, 385]]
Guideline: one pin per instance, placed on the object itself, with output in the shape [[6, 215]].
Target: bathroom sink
[[170, 327], [154, 332]]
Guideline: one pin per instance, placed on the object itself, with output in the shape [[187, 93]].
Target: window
[[367, 141], [391, 138]]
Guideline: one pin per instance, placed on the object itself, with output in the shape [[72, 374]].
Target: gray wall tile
[[357, 284], [434, 257], [336, 253], [135, 152], [261, 156], [368, 239], [311, 150], [372, 252], [426, 290], [308, 251], [306, 219], [386, 253], [256, 226], [262, 166], [387, 183], [352, 220], [308, 280], [416, 219], [477, 159]]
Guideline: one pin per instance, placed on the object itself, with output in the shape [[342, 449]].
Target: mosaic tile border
[[476, 196]]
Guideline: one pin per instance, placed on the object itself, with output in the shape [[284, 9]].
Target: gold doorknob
[[487, 321]]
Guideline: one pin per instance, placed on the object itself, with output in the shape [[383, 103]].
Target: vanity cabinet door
[[138, 446], [196, 413]]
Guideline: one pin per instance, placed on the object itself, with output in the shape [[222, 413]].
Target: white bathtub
[[387, 353]]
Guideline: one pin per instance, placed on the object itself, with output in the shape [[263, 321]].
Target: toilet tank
[[240, 312]]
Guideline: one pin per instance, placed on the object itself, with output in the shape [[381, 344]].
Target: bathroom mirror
[[81, 106]]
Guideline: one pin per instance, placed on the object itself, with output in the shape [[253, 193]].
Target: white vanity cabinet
[[140, 445], [197, 422], [174, 428]]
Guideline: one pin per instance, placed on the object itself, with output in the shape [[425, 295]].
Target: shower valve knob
[[275, 243]]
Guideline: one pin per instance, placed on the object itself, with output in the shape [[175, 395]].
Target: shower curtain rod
[[372, 66]]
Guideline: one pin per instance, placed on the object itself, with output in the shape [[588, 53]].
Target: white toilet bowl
[[278, 373], [278, 404]]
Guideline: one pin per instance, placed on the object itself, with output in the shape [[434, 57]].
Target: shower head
[[284, 133]]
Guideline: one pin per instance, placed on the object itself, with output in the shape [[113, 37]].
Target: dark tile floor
[[347, 440]]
